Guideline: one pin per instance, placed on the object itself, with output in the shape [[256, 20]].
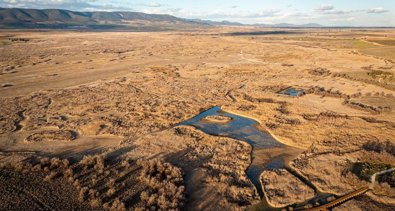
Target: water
[[292, 92], [240, 128], [267, 152], [244, 129]]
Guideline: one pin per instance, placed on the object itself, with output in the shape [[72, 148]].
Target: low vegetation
[[380, 74], [166, 189], [379, 147], [364, 171], [56, 135], [320, 72]]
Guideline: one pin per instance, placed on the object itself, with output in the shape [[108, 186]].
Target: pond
[[294, 92], [266, 149], [237, 127]]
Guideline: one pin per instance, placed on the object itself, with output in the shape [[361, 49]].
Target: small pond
[[294, 92], [238, 127]]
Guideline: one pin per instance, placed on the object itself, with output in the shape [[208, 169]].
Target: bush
[[96, 202], [50, 176], [165, 182], [117, 205], [377, 146], [83, 194], [364, 171]]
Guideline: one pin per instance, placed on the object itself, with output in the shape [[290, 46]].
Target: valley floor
[[96, 112]]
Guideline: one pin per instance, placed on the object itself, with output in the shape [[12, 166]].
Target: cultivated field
[[89, 120]]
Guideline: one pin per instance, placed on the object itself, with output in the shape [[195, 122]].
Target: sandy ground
[[70, 94]]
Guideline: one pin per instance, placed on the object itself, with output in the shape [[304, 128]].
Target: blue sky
[[329, 13]]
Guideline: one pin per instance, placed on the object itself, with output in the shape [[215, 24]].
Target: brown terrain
[[88, 120]]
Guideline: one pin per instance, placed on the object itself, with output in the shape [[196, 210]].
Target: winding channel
[[267, 152]]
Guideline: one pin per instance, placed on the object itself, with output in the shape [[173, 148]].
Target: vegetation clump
[[166, 189], [379, 74], [57, 135], [320, 72], [377, 146], [364, 171]]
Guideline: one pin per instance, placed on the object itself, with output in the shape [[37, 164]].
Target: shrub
[[364, 171], [378, 146], [165, 182], [83, 194], [117, 205], [50, 176], [96, 202], [110, 192]]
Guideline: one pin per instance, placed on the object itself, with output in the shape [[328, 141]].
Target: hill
[[58, 18]]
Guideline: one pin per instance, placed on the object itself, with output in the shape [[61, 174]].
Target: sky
[[324, 12]]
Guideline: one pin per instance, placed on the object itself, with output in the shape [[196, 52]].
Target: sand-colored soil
[[120, 95]]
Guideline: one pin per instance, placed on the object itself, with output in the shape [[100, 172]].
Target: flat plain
[[94, 115]]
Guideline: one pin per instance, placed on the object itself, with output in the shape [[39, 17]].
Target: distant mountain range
[[280, 25], [65, 19], [57, 18]]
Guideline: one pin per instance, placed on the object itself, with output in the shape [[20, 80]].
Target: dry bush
[[271, 125], [125, 163], [50, 176], [285, 120], [258, 100], [44, 161], [371, 109], [110, 192], [83, 194], [96, 202], [332, 114], [364, 171], [320, 71], [324, 115], [378, 146], [165, 182], [97, 162], [246, 107], [68, 173], [56, 163], [374, 81], [58, 135], [326, 92], [88, 160], [117, 205], [283, 108]]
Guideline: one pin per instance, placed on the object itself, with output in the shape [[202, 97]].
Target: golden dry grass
[[120, 94]]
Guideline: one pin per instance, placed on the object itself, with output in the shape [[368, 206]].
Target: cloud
[[330, 10], [76, 5], [377, 10], [338, 12], [152, 4], [324, 8], [238, 14], [348, 19]]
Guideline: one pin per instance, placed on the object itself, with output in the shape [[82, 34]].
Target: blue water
[[246, 129], [240, 128], [292, 92]]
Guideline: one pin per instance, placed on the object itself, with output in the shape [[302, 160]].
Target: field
[[96, 114]]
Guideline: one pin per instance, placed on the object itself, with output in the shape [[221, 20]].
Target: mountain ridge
[[67, 19], [59, 18]]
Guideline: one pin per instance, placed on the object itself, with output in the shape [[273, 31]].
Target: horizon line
[[269, 25]]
